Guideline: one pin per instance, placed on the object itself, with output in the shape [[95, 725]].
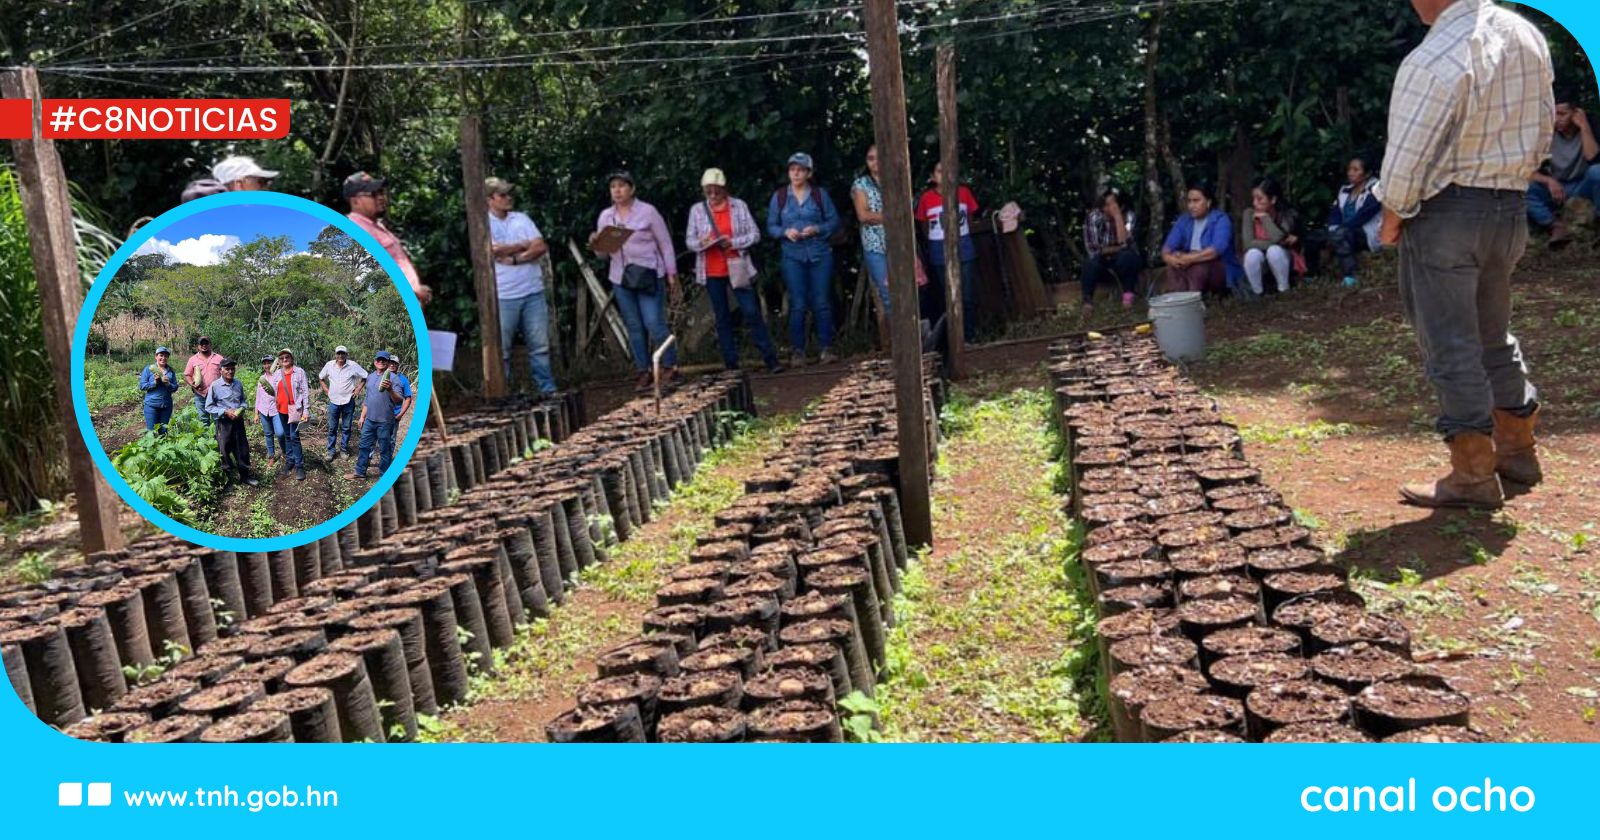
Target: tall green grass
[[32, 464]]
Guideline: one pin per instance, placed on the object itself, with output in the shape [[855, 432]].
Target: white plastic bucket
[[1180, 322]]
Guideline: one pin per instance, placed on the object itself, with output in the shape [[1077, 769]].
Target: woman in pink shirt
[[267, 409], [636, 275]]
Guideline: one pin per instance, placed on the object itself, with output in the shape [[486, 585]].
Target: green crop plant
[[176, 472]]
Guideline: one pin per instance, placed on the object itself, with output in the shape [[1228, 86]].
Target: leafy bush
[[174, 472]]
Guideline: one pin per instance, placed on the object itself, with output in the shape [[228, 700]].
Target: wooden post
[[889, 128], [494, 377], [950, 219], [479, 245], [47, 210]]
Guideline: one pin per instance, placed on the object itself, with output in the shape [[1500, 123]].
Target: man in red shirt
[[369, 201], [202, 369], [930, 207]]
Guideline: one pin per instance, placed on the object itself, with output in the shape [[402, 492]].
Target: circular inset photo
[[248, 372]]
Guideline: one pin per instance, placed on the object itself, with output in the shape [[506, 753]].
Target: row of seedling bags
[[350, 638], [1219, 619], [782, 609]]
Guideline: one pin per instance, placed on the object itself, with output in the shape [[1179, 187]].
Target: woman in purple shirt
[[267, 410], [636, 275]]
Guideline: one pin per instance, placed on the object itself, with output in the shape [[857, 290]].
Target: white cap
[[234, 168], [713, 178], [342, 349]]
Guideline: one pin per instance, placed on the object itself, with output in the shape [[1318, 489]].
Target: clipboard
[[611, 239]]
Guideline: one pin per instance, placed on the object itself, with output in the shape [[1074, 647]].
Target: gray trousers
[[1456, 260]]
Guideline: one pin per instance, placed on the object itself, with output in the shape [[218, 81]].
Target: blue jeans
[[381, 434], [810, 286], [532, 315], [206, 417], [292, 454], [339, 419], [718, 288], [271, 429], [157, 416], [644, 313], [1542, 205], [969, 306], [877, 268]]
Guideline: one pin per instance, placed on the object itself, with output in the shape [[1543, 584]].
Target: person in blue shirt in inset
[[403, 385], [378, 417], [802, 217], [158, 382]]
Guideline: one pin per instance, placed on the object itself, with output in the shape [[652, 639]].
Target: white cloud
[[206, 249]]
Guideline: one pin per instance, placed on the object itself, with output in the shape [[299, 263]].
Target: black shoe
[[299, 473], [775, 367]]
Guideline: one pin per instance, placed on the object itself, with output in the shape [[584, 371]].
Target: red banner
[[150, 119]]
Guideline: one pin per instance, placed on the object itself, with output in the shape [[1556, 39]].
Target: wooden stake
[[48, 211], [438, 416], [889, 128], [950, 219], [494, 376]]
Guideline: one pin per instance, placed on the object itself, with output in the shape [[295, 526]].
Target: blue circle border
[[403, 453]]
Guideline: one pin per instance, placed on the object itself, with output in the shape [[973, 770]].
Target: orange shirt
[[716, 257]]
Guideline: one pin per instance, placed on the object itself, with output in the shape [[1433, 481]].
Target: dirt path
[[994, 641], [538, 675]]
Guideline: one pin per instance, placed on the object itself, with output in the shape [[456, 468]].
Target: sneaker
[[827, 357], [299, 473], [332, 455], [797, 359], [251, 481], [671, 376], [355, 476], [1350, 282], [1127, 300]]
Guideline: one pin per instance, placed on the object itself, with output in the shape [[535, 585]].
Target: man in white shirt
[[1469, 123], [518, 246], [342, 380]]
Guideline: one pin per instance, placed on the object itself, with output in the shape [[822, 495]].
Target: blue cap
[[382, 354], [160, 350], [801, 159]]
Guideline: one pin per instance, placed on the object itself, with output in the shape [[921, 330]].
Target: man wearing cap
[[242, 173], [293, 398], [402, 384], [158, 382], [267, 410], [377, 418], [519, 284], [202, 369], [225, 404], [369, 202], [341, 381]]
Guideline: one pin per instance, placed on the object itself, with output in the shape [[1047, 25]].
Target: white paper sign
[[444, 349]]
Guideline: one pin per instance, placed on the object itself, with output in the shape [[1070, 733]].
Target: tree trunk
[[1155, 197]]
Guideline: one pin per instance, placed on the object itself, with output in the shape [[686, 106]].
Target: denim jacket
[[817, 210], [158, 390]]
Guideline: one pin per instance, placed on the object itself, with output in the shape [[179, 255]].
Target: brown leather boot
[[1515, 458], [1472, 482]]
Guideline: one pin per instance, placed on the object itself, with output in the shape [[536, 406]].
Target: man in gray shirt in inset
[[1570, 173]]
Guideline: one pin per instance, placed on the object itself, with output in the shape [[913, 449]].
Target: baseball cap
[[160, 350], [360, 183], [382, 354], [498, 186], [202, 340], [622, 175], [342, 349], [228, 363], [265, 359], [200, 188], [801, 159], [231, 169], [713, 178], [286, 350]]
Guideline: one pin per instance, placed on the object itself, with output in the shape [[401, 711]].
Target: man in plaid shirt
[[1469, 123]]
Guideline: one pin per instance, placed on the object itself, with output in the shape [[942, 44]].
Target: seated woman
[[1355, 217], [1199, 250], [1113, 255], [1269, 238]]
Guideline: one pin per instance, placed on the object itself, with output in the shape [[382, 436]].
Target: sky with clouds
[[204, 238]]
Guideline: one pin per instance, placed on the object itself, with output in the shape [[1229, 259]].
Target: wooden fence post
[[950, 219], [47, 208], [889, 127]]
